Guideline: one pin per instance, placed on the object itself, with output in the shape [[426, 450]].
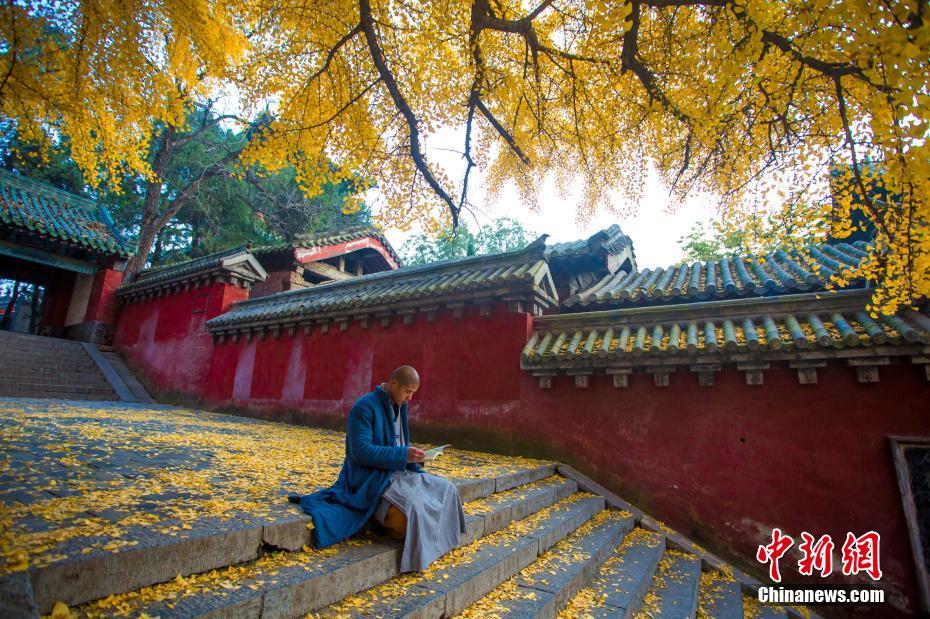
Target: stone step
[[500, 509], [37, 343], [20, 341], [619, 587], [132, 383], [51, 364], [58, 395], [674, 589], [545, 587], [73, 371], [755, 610], [47, 362], [22, 375], [468, 574], [42, 356], [44, 382], [151, 558], [719, 596], [58, 386], [75, 365]]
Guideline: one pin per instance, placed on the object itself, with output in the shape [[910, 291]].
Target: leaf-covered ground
[[87, 477]]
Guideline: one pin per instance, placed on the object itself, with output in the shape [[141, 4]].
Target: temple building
[[318, 258], [68, 250]]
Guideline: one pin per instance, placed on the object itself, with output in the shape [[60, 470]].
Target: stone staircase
[[135, 386], [538, 544], [46, 367]]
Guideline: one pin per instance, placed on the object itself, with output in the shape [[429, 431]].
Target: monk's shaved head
[[405, 375]]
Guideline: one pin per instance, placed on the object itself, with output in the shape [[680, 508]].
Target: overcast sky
[[654, 230]]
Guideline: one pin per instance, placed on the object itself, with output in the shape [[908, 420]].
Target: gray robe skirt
[[435, 520]]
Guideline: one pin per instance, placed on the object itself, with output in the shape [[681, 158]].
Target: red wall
[[165, 337], [725, 464], [102, 304], [722, 464]]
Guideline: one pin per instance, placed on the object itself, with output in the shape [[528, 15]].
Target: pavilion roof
[[322, 239], [42, 212]]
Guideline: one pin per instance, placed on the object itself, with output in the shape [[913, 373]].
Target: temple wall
[[165, 337], [723, 464]]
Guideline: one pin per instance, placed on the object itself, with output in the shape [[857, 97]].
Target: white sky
[[655, 231]]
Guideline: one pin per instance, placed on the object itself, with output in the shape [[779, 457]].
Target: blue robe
[[371, 455]]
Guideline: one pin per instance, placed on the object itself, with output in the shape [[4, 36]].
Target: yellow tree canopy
[[755, 102]]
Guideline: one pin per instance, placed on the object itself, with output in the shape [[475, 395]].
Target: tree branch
[[335, 50], [503, 132], [380, 62]]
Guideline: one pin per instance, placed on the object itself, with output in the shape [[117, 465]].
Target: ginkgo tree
[[753, 102]]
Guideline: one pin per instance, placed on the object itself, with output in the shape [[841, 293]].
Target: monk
[[382, 478]]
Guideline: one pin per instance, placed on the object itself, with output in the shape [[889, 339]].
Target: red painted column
[[102, 303], [100, 316]]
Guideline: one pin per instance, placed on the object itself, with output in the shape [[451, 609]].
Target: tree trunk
[[159, 247], [154, 218], [34, 314], [147, 233], [150, 210], [7, 321]]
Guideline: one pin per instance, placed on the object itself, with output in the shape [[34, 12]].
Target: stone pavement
[[79, 478]]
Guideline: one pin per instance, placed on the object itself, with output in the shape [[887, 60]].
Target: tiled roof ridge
[[535, 247], [738, 275], [781, 326], [45, 214], [360, 229], [612, 239], [30, 184], [156, 270], [197, 270], [520, 278]]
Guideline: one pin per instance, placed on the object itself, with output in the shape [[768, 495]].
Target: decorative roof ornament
[[610, 240]]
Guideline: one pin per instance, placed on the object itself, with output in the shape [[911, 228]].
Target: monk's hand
[[415, 455]]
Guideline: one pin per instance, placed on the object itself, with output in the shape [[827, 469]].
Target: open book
[[432, 454]]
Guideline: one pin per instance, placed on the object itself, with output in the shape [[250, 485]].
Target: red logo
[[817, 556], [771, 553], [860, 554]]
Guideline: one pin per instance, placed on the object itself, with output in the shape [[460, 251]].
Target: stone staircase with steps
[[135, 386], [46, 367], [537, 544]]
